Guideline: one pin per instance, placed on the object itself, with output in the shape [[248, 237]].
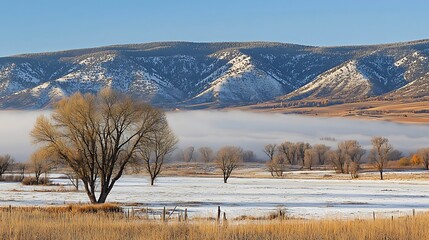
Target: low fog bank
[[254, 130], [247, 130]]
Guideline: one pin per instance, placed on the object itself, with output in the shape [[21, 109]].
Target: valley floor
[[302, 194], [401, 111]]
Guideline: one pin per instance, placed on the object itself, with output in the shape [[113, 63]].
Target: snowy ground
[[247, 196]]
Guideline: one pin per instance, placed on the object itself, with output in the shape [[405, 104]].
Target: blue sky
[[49, 25]]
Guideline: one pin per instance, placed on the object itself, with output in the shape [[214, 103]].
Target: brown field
[[41, 224], [402, 111]]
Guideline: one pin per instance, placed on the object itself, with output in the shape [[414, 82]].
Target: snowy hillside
[[181, 74]]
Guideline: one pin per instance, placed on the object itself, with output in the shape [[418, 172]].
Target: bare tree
[[379, 153], [227, 159], [301, 147], [288, 150], [206, 154], [270, 151], [188, 154], [6, 162], [310, 157], [321, 153], [277, 166], [160, 144], [97, 136], [354, 168], [352, 151], [41, 163], [424, 156], [337, 159]]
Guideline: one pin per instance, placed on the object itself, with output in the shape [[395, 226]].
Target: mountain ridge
[[222, 74]]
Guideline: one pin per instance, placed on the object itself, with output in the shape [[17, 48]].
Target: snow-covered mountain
[[182, 74]]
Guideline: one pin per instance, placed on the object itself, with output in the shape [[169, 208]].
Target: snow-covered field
[[247, 196]]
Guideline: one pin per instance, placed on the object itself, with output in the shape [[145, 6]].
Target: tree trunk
[[381, 174], [37, 178], [225, 179], [91, 196], [104, 193], [152, 181]]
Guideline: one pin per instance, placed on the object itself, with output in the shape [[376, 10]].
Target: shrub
[[416, 160], [32, 181], [404, 161]]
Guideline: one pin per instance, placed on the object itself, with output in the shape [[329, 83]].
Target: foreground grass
[[47, 224]]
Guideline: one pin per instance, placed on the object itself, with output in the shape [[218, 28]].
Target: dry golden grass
[[71, 208], [38, 224]]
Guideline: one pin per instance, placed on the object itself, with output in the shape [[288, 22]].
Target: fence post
[[224, 216], [147, 213], [373, 215], [186, 214], [414, 212], [218, 213], [10, 208], [163, 214]]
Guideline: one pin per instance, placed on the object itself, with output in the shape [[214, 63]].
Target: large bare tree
[[97, 136], [159, 145], [228, 159], [6, 162], [379, 153]]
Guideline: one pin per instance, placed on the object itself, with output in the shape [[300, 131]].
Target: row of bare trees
[[289, 153], [38, 164], [346, 158], [206, 154]]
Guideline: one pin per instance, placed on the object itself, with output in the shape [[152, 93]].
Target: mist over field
[[248, 130]]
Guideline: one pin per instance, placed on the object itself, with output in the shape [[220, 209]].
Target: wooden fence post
[[218, 213], [414, 212], [186, 214], [373, 215], [224, 216], [163, 214], [147, 213]]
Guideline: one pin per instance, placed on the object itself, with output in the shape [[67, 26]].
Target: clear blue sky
[[49, 25]]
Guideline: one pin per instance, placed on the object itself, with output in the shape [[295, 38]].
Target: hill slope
[[182, 74]]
